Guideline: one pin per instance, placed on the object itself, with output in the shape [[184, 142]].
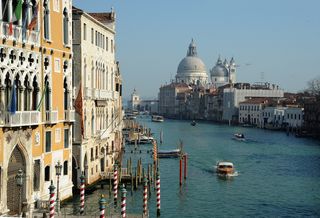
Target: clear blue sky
[[280, 38]]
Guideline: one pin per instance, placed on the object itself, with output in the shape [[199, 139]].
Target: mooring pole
[[158, 194], [185, 165], [102, 206], [115, 185], [180, 171], [145, 197], [123, 202], [52, 200], [82, 190]]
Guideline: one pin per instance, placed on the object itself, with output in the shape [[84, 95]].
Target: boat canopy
[[225, 164]]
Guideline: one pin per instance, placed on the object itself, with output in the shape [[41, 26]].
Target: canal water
[[278, 175]]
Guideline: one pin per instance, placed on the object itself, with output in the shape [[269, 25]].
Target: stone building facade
[[97, 78]]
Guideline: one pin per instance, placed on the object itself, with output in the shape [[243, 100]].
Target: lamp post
[[58, 167], [19, 182]]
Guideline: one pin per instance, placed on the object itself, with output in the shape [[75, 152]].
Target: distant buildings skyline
[[271, 41]]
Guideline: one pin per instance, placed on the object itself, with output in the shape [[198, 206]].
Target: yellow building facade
[[36, 111]]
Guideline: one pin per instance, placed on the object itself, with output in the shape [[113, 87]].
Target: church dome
[[191, 68], [219, 71], [191, 64]]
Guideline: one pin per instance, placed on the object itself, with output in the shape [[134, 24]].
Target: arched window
[[65, 95], [65, 27], [92, 122], [8, 88], [47, 93], [35, 91], [26, 94], [46, 20], [65, 168], [17, 85], [47, 173]]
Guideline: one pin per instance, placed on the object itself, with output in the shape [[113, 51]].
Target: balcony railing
[[20, 118], [51, 117], [69, 115], [88, 92], [19, 34]]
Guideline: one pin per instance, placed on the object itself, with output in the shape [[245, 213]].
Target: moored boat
[[225, 168], [157, 118], [193, 123], [169, 153]]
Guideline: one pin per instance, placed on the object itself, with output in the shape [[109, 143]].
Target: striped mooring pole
[[145, 197], [82, 181], [102, 206], [123, 202], [158, 194], [51, 200], [115, 184]]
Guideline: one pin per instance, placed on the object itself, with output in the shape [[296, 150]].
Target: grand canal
[[279, 175]]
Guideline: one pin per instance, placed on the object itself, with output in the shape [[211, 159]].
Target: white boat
[[169, 153], [239, 137], [225, 168], [157, 118]]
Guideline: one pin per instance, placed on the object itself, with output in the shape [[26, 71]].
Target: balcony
[[69, 115], [30, 37], [51, 117], [88, 92], [100, 94], [95, 93], [20, 118]]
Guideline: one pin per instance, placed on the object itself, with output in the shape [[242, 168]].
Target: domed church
[[223, 73], [191, 69]]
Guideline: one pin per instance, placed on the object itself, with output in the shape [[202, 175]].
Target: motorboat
[[193, 123], [157, 118], [239, 135], [169, 153], [225, 168]]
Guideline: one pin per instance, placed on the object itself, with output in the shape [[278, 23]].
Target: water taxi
[[225, 168], [239, 137], [157, 118], [169, 153]]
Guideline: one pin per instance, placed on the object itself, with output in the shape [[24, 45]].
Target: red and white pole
[[123, 202], [51, 200], [82, 182], [102, 206], [115, 185], [158, 194], [180, 171], [145, 197], [185, 165]]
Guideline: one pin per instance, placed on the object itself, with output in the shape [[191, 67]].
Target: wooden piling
[[110, 184], [180, 172], [185, 165]]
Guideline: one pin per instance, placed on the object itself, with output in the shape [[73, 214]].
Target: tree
[[313, 87]]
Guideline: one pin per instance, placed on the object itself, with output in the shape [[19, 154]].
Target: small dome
[[219, 71]]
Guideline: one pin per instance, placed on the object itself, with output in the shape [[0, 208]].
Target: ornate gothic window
[[66, 94], [46, 20], [65, 27]]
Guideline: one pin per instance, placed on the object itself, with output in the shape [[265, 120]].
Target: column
[[29, 14], [9, 8], [2, 103], [1, 12], [21, 98]]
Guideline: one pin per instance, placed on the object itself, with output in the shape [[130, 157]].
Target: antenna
[[262, 76]]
